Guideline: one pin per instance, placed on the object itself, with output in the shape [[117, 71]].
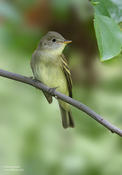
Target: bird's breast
[[51, 74]]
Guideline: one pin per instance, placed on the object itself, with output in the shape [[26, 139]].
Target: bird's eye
[[54, 40]]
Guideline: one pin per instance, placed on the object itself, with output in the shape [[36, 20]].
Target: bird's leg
[[31, 77], [35, 80], [52, 90]]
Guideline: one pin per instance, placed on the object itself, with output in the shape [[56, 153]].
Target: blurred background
[[32, 140]]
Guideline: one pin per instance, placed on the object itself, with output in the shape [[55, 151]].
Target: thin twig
[[63, 97]]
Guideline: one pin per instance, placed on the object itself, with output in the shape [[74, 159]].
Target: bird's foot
[[31, 77], [35, 80], [52, 90]]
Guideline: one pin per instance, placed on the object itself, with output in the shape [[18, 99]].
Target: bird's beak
[[67, 41]]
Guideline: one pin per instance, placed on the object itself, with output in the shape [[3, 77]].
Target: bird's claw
[[52, 90], [35, 80], [31, 77]]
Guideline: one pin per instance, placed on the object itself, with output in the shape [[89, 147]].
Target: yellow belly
[[52, 76]]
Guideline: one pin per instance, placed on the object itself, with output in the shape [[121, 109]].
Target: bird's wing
[[34, 62], [67, 74]]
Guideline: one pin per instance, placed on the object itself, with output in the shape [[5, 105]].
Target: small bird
[[50, 67]]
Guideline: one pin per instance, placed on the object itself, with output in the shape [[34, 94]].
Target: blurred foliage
[[109, 37], [8, 11], [30, 130], [108, 14]]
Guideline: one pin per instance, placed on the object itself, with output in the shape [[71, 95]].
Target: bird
[[50, 67]]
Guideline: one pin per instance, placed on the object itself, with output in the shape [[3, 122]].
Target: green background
[[31, 135]]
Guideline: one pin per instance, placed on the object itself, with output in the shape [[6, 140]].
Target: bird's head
[[53, 42]]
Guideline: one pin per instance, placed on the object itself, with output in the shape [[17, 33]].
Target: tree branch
[[63, 97]]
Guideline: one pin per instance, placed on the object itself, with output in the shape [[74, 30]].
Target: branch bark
[[63, 97]]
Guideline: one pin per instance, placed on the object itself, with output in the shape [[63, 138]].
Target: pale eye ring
[[54, 40]]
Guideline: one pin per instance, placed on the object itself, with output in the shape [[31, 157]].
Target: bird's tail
[[66, 116]]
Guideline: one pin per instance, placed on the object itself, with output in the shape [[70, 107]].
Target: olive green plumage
[[50, 67]]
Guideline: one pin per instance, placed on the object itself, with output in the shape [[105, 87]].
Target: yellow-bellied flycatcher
[[50, 67]]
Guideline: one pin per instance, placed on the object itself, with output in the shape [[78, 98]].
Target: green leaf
[[109, 37], [110, 8], [108, 16]]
